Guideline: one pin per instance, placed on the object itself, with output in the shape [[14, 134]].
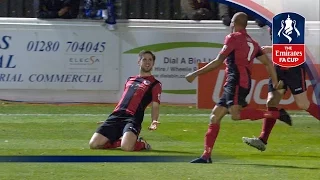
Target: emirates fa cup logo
[[287, 28], [288, 48]]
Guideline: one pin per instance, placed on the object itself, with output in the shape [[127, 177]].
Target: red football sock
[[210, 139], [116, 144], [139, 146], [268, 124], [314, 110], [255, 114]]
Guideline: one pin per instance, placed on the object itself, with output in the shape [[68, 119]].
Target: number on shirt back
[[251, 48]]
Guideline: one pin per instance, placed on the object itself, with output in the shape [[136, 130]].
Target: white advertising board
[[177, 54], [75, 61], [59, 58]]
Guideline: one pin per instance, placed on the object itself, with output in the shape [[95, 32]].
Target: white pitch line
[[99, 115]]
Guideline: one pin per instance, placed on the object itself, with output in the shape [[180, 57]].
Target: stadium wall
[[82, 61]]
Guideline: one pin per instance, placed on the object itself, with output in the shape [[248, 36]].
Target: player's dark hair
[[143, 52]]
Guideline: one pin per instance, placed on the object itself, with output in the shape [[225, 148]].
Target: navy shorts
[[293, 78], [117, 124], [234, 94]]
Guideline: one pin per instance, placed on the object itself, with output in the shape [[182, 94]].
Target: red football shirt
[[139, 92], [240, 50]]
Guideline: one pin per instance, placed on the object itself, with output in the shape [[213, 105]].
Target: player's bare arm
[[271, 70], [207, 68], [266, 49], [155, 111]]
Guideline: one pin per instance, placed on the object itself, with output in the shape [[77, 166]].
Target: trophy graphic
[[286, 30]]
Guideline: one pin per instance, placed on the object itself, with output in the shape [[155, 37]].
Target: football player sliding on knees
[[122, 127], [294, 79], [238, 53]]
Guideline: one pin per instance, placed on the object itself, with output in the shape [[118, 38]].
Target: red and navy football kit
[[293, 78], [241, 50], [139, 92]]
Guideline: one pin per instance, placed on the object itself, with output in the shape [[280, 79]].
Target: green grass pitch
[[292, 152]]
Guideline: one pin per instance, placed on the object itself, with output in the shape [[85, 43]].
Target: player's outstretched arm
[[155, 111], [266, 49], [207, 68], [212, 65], [229, 45], [270, 68]]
